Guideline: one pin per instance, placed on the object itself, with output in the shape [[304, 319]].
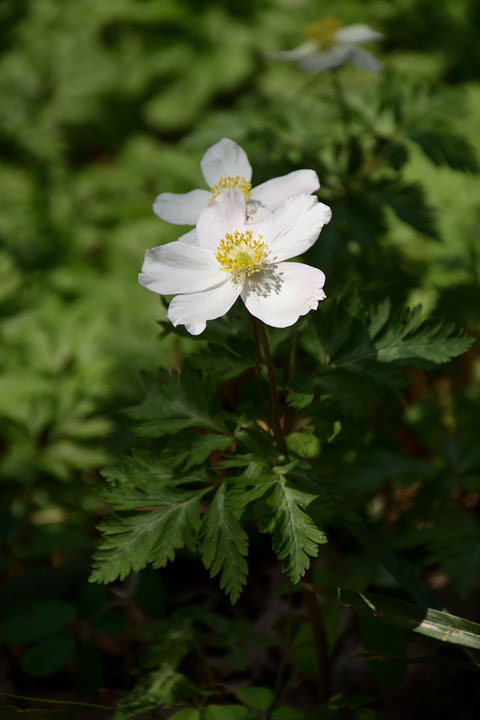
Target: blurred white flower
[[231, 257], [329, 46], [225, 168]]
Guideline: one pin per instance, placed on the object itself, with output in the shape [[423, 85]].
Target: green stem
[[258, 376], [320, 640], [279, 683], [341, 102], [276, 425], [62, 702]]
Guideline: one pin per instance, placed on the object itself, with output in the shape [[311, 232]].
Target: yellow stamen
[[323, 31], [231, 183], [241, 254]]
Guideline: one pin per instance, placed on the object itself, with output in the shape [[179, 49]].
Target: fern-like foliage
[[295, 536], [224, 545], [166, 520], [376, 342]]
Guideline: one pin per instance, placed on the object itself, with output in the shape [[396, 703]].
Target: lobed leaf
[[295, 536], [130, 542], [224, 545], [175, 402]]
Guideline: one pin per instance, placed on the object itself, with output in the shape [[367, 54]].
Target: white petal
[[190, 237], [225, 159], [364, 59], [196, 308], [225, 214], [279, 294], [357, 34], [179, 268], [196, 328], [271, 194], [293, 228], [299, 53], [181, 209], [337, 56]]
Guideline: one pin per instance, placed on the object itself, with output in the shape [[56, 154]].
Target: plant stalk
[[319, 638], [341, 102], [275, 415]]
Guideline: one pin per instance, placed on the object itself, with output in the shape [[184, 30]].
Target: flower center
[[231, 183], [241, 254], [323, 31]]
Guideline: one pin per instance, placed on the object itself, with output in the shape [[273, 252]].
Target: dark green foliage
[[130, 542], [174, 405], [224, 545], [295, 537], [445, 147]]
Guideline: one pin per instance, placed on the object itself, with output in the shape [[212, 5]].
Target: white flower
[[225, 168], [329, 46], [232, 258]]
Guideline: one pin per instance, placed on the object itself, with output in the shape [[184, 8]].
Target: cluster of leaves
[[227, 462]]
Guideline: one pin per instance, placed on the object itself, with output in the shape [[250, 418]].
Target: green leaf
[[258, 698], [224, 545], [141, 469], [304, 443], [130, 542], [48, 657], [402, 573], [202, 445], [304, 652], [186, 714], [175, 402], [295, 536], [436, 624], [375, 344], [443, 146], [412, 340], [45, 618], [225, 712], [408, 203], [287, 713], [164, 687]]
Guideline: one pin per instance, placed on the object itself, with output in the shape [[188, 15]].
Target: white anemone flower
[[233, 258], [329, 46], [225, 167]]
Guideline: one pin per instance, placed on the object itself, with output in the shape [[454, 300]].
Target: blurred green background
[[105, 105]]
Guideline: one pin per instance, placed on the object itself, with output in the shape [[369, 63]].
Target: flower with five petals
[[232, 257], [329, 46], [226, 168]]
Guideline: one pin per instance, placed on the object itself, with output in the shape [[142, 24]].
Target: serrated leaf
[[224, 545], [174, 402], [295, 536], [163, 687], [443, 146], [412, 340], [202, 445], [374, 340], [130, 542], [408, 203]]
